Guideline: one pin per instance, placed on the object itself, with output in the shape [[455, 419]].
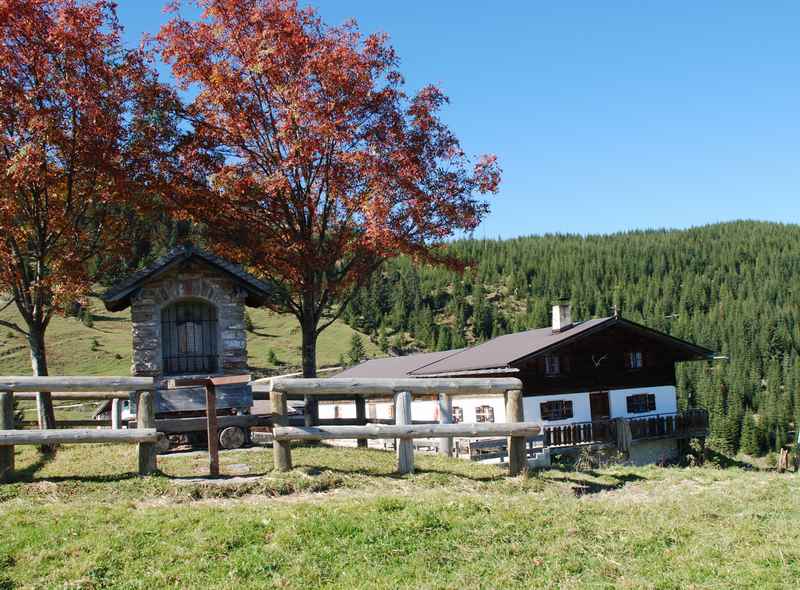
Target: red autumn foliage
[[73, 151], [307, 160]]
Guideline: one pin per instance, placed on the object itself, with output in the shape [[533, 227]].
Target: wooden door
[[598, 401]]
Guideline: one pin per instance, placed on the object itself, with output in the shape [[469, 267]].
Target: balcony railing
[[580, 433], [688, 424]]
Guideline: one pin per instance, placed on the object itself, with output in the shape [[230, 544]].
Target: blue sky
[[605, 116]]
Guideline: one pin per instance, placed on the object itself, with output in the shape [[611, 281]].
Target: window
[[641, 402], [634, 360], [559, 409], [189, 338], [484, 414], [552, 366], [458, 414]]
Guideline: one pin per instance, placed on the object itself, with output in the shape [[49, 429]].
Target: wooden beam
[[212, 430], [445, 417], [78, 436], [382, 387], [361, 419], [6, 424], [281, 450], [116, 414], [408, 431], [80, 384], [69, 423], [146, 418], [517, 456], [405, 446], [215, 381], [79, 396], [175, 425]]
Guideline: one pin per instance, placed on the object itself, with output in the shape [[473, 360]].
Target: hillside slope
[[105, 348], [732, 287]]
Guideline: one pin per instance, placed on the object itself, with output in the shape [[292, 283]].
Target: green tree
[[357, 352]]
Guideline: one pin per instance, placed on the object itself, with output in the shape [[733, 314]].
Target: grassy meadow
[[343, 519], [105, 348]]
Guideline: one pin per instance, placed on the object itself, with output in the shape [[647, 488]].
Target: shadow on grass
[[319, 469], [723, 461], [107, 318], [583, 487], [263, 334], [23, 476], [46, 455]]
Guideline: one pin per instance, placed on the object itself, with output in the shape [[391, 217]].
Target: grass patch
[[83, 520], [105, 348]]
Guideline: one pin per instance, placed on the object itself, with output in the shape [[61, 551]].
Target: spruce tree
[[357, 352]]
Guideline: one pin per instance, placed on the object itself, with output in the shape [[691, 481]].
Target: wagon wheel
[[163, 444], [232, 437]]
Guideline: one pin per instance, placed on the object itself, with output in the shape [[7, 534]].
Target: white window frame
[[634, 359], [552, 365]]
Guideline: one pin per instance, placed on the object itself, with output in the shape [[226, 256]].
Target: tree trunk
[[309, 329], [44, 401]]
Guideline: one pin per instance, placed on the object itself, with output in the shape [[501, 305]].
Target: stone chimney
[[562, 317]]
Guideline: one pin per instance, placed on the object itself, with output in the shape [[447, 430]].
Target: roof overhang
[[118, 297], [693, 351]]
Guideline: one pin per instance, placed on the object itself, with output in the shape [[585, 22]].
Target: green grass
[[70, 343], [343, 519]]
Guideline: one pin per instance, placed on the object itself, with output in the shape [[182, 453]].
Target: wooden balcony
[[688, 424]]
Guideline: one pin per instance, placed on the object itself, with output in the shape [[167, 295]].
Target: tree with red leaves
[[306, 159], [77, 138]]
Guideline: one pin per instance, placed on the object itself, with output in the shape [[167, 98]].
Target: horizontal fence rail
[[377, 431], [404, 431], [386, 387], [68, 423], [76, 436], [61, 387], [78, 384], [78, 395]]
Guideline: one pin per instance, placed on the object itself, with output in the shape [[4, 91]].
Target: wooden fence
[[402, 390], [104, 388]]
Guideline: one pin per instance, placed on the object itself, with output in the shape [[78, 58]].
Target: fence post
[[624, 436], [116, 414], [281, 450], [146, 418], [445, 417], [405, 446], [211, 429], [6, 423], [361, 417], [517, 457]]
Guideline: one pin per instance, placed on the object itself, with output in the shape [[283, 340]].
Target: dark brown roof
[[502, 354], [395, 366], [119, 296]]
